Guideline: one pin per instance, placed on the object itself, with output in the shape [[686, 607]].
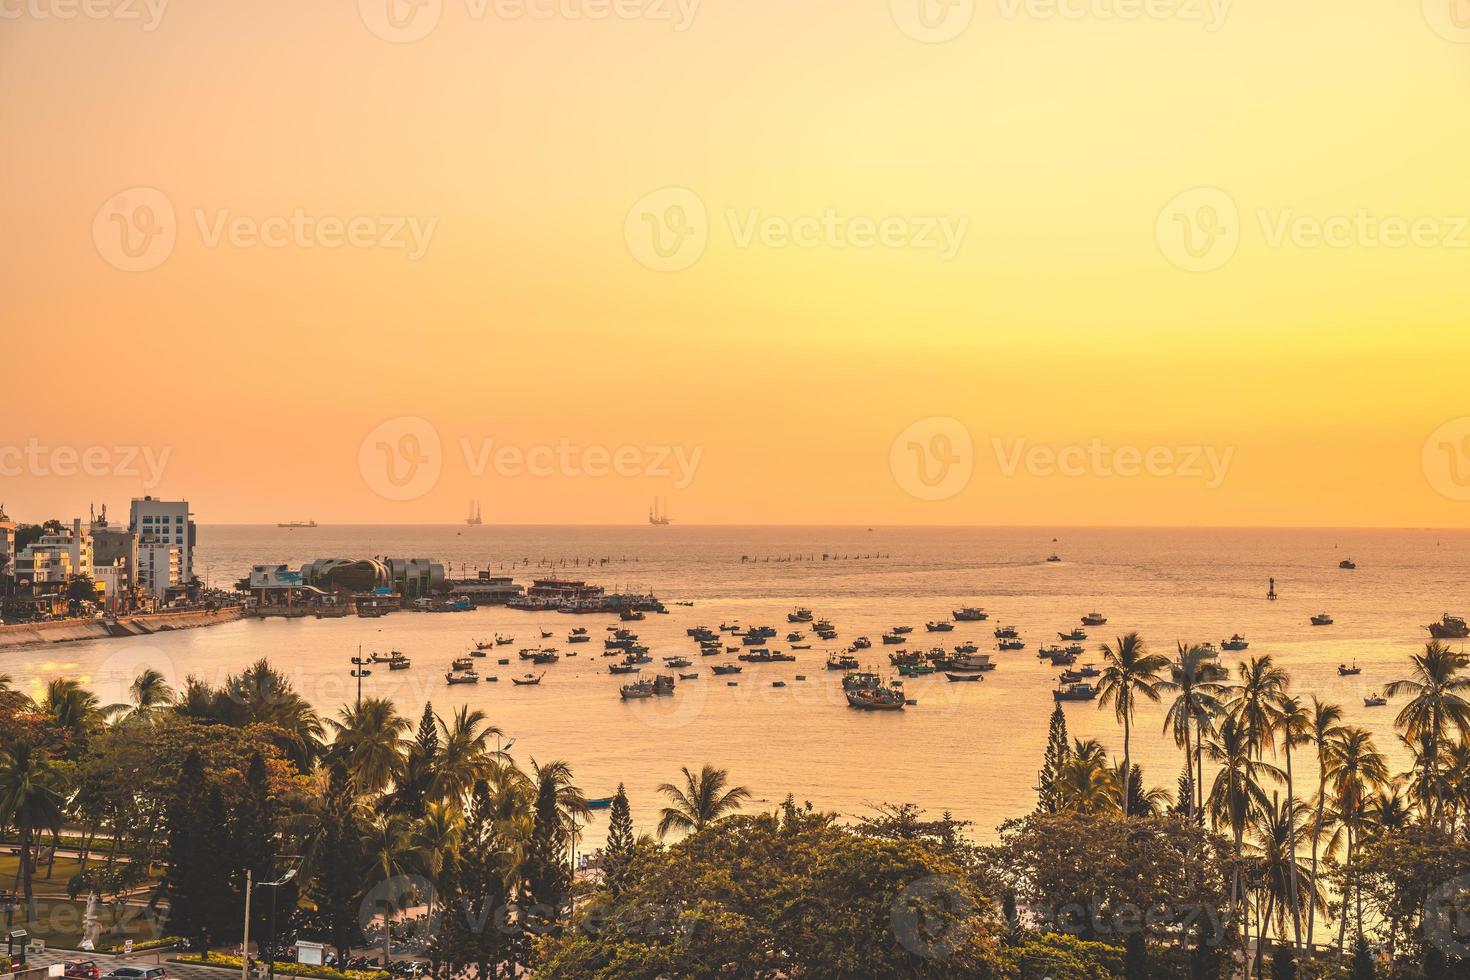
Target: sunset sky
[[1315, 343]]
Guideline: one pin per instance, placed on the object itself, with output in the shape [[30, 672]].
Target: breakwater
[[72, 630]]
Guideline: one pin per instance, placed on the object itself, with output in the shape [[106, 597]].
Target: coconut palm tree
[[1281, 879], [1324, 727], [1087, 783], [465, 756], [703, 800], [1236, 795], [435, 838], [389, 846], [1437, 704], [1355, 770], [1293, 724], [1196, 677], [1131, 672], [1254, 699], [71, 708], [553, 782], [30, 800], [150, 695], [370, 741]]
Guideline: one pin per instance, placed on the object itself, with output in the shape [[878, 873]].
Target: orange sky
[[1010, 230]]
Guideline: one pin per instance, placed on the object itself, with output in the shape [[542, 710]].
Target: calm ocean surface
[[973, 749]]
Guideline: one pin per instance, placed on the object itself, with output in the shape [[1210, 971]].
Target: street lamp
[[270, 949]]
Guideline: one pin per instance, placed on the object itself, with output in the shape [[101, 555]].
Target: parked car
[[137, 973], [81, 970]]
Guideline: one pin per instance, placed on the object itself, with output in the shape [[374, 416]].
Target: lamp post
[[275, 886], [359, 670]]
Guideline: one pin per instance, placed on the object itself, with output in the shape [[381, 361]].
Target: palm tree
[[1086, 783], [1273, 830], [435, 838], [1324, 727], [1236, 796], [1196, 676], [150, 693], [1130, 672], [30, 800], [703, 801], [1437, 692], [553, 781], [1294, 724], [389, 848], [464, 757], [369, 739], [1355, 770], [1255, 698], [72, 708]]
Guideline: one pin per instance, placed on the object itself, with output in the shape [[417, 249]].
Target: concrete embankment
[[72, 630]]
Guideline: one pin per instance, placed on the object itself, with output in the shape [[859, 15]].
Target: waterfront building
[[485, 589], [160, 567], [410, 577], [7, 542], [112, 579], [165, 522], [56, 557]]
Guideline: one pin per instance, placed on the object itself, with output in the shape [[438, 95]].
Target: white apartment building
[[159, 566], [164, 522], [56, 557]]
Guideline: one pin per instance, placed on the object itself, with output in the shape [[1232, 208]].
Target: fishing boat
[[601, 803], [629, 615], [546, 634], [484, 644], [579, 635], [902, 630], [972, 663], [799, 615], [723, 669], [766, 657], [970, 614], [462, 663], [1348, 564], [545, 657], [778, 683], [1006, 633], [689, 677], [793, 637], [963, 678], [965, 648], [893, 639], [1322, 619], [801, 646], [841, 661], [820, 626], [1449, 628], [861, 643], [504, 641], [530, 680], [677, 662], [1053, 557], [1236, 642], [402, 663], [1011, 644], [1094, 619], [1063, 659], [637, 691], [385, 658], [1375, 701], [1343, 670], [729, 627], [915, 670], [622, 668], [1074, 692], [462, 677], [876, 699], [1077, 634], [939, 626], [479, 653]]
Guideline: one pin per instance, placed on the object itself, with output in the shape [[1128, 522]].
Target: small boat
[[545, 657], [400, 664], [484, 644], [820, 625], [1006, 633], [461, 663], [385, 658], [1375, 701], [767, 657], [729, 627], [1348, 564], [1449, 628], [504, 641], [1322, 620], [939, 626], [630, 615], [1094, 619], [801, 646], [1343, 670], [965, 648], [827, 634], [622, 668], [602, 803], [902, 630], [876, 699], [530, 680], [1053, 558], [793, 637], [478, 653], [841, 661], [1074, 692], [973, 663], [723, 669], [578, 637], [778, 683], [1236, 642], [963, 678], [861, 643], [689, 677], [462, 677], [970, 614], [1077, 634], [1011, 645], [892, 639], [637, 691], [799, 615], [677, 662]]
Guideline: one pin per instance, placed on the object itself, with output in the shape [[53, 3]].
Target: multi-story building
[[159, 566], [164, 522], [112, 579], [56, 557], [7, 542]]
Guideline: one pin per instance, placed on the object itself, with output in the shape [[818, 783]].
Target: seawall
[[72, 630]]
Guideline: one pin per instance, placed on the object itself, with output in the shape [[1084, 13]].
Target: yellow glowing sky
[[1061, 321]]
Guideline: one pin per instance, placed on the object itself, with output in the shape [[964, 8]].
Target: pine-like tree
[[1363, 966], [341, 864], [418, 770], [475, 928], [619, 849], [253, 843], [1058, 751], [196, 882]]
